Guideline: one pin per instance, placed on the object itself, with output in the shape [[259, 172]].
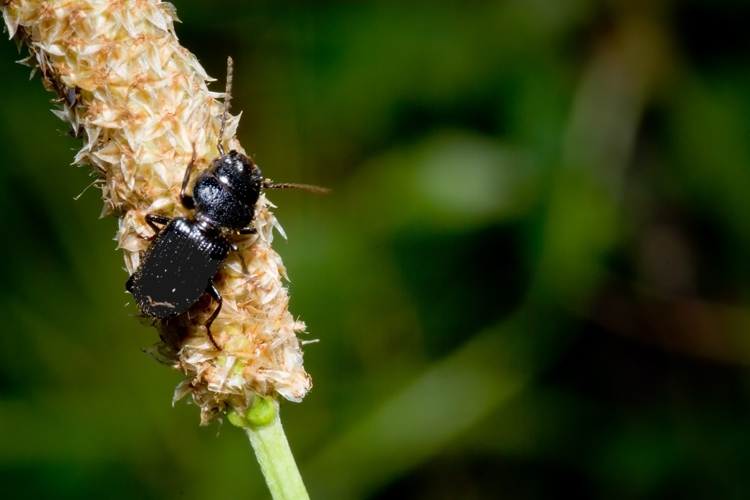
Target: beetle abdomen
[[176, 269]]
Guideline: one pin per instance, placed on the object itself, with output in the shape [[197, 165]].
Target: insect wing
[[176, 269]]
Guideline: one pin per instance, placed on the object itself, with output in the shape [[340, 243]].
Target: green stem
[[263, 426]]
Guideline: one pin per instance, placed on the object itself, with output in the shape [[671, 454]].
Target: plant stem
[[263, 426]]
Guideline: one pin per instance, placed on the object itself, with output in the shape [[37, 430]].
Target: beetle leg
[[248, 230], [213, 292], [186, 199], [242, 259], [152, 220]]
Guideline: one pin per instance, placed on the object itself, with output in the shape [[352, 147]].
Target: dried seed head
[[140, 102]]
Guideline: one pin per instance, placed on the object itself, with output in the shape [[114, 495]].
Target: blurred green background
[[531, 278]]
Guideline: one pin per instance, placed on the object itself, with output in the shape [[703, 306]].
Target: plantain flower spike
[[141, 105]]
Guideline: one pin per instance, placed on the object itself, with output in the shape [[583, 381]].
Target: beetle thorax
[[239, 175], [218, 206]]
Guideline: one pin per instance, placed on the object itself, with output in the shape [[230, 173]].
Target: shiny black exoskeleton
[[179, 266]]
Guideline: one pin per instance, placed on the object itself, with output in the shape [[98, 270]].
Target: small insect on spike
[[72, 96], [227, 99], [187, 252]]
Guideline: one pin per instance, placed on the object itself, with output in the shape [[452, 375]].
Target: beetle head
[[239, 175]]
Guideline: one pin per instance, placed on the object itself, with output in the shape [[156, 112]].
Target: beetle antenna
[[227, 99], [267, 184]]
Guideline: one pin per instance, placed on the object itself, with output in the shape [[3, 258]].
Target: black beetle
[[185, 255]]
